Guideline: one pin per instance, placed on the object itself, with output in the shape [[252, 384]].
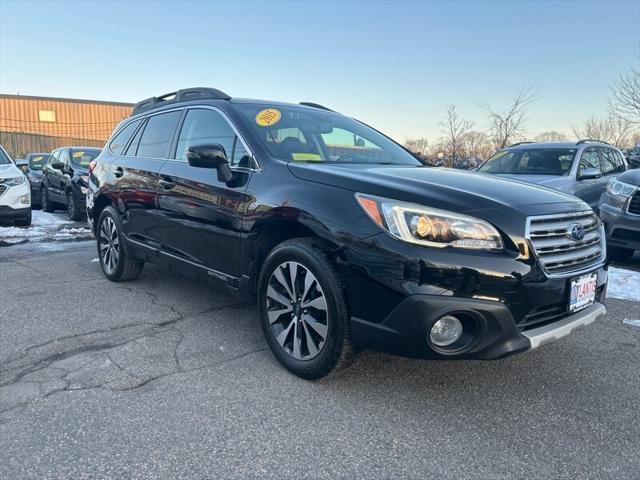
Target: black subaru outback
[[340, 235]]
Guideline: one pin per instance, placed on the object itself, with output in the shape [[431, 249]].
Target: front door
[[201, 216], [589, 189]]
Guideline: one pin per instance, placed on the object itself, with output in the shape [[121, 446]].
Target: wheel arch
[[266, 235], [99, 204]]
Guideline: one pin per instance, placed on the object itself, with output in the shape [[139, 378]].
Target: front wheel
[[73, 209], [115, 262], [25, 221], [303, 309], [45, 204]]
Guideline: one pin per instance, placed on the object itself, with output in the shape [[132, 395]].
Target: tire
[[295, 331], [24, 222], [46, 205], [620, 254], [115, 261], [72, 207]]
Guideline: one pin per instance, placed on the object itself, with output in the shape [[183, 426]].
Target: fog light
[[446, 331], [84, 190], [25, 199]]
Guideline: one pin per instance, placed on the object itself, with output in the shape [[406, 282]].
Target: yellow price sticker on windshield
[[37, 159], [78, 154], [268, 117], [306, 157]]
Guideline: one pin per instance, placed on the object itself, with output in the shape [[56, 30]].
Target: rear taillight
[[92, 165]]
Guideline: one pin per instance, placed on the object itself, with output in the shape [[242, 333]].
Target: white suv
[[15, 193]]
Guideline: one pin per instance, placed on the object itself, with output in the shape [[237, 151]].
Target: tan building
[[30, 124]]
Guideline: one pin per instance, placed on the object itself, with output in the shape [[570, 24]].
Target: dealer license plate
[[583, 292]]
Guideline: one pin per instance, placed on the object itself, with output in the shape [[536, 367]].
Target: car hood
[[550, 181], [631, 177], [449, 189], [9, 171]]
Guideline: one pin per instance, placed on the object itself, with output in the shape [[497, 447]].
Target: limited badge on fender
[[268, 117]]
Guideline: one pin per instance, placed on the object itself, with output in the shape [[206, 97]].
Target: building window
[[47, 115]]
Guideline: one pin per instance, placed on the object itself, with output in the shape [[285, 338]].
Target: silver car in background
[[579, 168]]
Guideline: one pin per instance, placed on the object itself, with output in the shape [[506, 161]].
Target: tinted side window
[[120, 140], [157, 135], [133, 146], [611, 163], [589, 159], [202, 127]]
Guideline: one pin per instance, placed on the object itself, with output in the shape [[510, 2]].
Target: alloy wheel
[[297, 310], [109, 242]]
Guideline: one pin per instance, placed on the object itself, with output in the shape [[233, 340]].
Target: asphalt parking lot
[[166, 378]]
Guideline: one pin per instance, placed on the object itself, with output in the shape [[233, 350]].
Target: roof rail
[[316, 105], [519, 143], [580, 142], [184, 95]]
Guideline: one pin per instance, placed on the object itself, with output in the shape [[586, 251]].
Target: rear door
[[60, 176], [201, 216], [589, 189], [136, 176]]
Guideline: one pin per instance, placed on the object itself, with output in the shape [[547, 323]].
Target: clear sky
[[395, 65]]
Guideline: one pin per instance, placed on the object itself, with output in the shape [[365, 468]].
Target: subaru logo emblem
[[576, 232]]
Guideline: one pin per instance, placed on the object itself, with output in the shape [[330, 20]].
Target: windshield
[[37, 160], [534, 161], [311, 135], [4, 158], [83, 157]]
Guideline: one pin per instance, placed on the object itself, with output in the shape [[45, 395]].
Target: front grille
[[3, 188], [557, 250], [634, 204]]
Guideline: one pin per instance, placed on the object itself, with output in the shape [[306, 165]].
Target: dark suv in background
[[340, 235], [34, 163], [65, 179]]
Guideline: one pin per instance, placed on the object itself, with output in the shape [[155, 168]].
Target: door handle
[[118, 172], [167, 183]]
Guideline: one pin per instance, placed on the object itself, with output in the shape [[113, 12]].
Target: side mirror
[[589, 173], [211, 156], [57, 165]]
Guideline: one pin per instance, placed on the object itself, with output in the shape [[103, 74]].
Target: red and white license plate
[[583, 292]]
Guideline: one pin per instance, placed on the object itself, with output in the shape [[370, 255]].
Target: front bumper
[[15, 198], [622, 228], [397, 292], [406, 331]]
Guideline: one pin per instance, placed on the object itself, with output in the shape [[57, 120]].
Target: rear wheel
[[45, 204], [73, 208], [303, 310], [115, 262]]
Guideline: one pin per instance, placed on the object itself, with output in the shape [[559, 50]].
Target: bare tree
[[550, 136], [625, 97], [508, 125], [477, 144], [418, 146], [454, 129], [614, 130]]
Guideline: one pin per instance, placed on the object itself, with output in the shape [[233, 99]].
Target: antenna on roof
[[315, 105]]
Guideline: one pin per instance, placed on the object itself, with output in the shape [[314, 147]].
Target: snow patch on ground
[[632, 322], [623, 284], [44, 226]]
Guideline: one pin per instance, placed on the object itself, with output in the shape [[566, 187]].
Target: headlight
[[621, 189], [429, 226], [12, 182]]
